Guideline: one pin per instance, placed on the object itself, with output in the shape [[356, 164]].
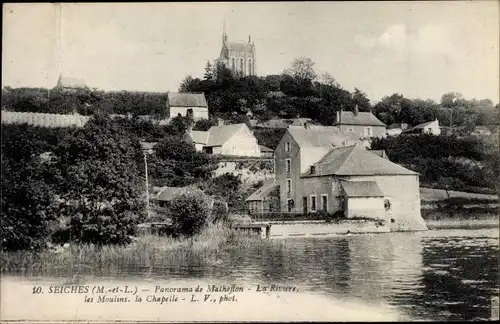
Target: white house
[[431, 128], [235, 139], [185, 104]]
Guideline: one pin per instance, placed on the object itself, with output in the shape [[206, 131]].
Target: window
[[288, 186], [287, 146], [288, 166], [313, 203], [249, 67], [313, 169], [289, 203], [241, 65], [324, 202], [368, 131], [387, 204]]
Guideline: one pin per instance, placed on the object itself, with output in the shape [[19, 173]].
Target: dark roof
[[240, 47], [356, 161], [168, 193], [421, 126], [267, 187], [265, 149], [186, 99], [362, 118], [218, 135], [273, 123], [361, 189]]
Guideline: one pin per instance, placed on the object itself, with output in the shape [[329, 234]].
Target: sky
[[419, 49]]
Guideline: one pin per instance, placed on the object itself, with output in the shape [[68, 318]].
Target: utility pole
[[147, 185]]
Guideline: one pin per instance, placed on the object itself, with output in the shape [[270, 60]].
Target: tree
[[190, 210], [29, 208], [102, 186], [359, 98], [302, 69], [204, 124], [209, 72], [187, 84], [177, 163]]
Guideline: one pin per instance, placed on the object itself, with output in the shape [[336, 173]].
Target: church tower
[[239, 57]]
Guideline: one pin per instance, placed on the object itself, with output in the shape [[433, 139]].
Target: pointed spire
[[249, 38], [224, 33]]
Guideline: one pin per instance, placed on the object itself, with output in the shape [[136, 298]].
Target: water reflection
[[440, 275]]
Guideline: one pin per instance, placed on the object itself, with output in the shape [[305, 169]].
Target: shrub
[[189, 210]]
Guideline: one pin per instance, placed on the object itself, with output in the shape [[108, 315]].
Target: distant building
[[239, 57], [70, 84], [323, 169], [364, 124], [266, 199], [431, 128], [187, 104], [266, 151], [235, 140], [279, 123], [166, 195], [396, 129]]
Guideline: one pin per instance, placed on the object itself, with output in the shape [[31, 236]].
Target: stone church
[[239, 57]]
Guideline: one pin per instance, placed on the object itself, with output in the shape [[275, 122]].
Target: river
[[433, 275]]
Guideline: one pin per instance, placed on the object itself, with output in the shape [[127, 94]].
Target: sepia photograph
[[250, 162]]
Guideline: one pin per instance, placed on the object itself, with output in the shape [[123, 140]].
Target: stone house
[[431, 128], [357, 183], [235, 140], [297, 150], [316, 169], [187, 104], [364, 124]]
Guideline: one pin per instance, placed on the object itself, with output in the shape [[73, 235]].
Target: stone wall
[[250, 170], [324, 229]]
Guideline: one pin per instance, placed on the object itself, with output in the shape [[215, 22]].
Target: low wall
[[324, 229]]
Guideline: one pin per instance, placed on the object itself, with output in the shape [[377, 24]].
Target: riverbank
[[146, 252]]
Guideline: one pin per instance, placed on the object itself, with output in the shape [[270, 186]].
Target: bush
[[189, 210]]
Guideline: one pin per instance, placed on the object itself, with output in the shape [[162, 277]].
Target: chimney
[[356, 110], [220, 122]]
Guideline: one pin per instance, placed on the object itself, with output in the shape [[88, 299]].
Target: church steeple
[[224, 33]]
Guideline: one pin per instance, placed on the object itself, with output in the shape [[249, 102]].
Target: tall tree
[[359, 98], [209, 72], [101, 164], [302, 69]]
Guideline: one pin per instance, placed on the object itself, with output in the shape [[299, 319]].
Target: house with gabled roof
[[316, 170], [358, 183], [364, 124], [265, 199], [234, 140], [187, 104], [431, 128]]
